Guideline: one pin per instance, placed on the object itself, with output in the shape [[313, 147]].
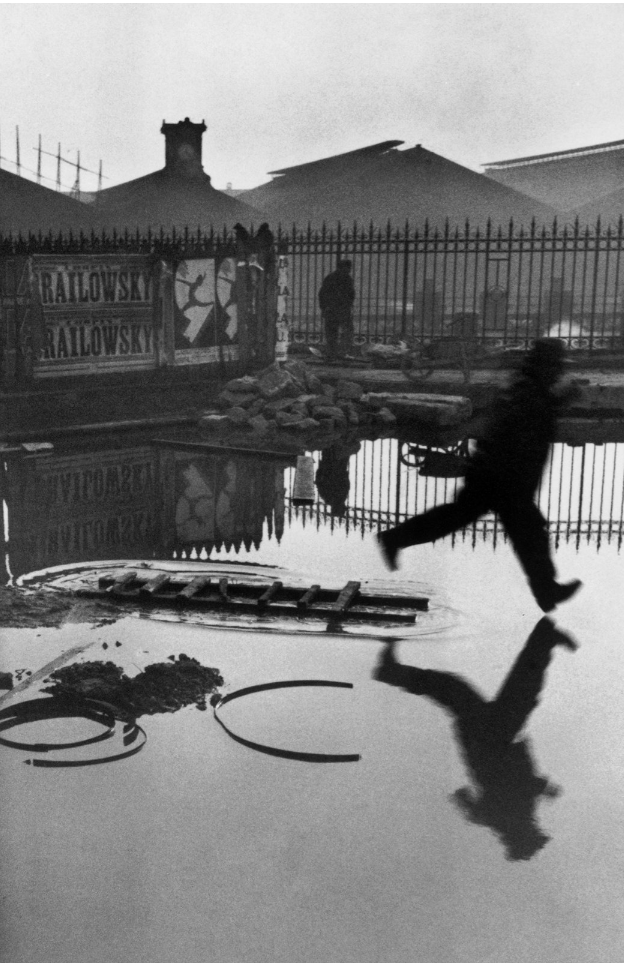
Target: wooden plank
[[346, 597], [308, 598], [155, 584], [122, 582], [216, 448], [285, 609], [303, 487], [193, 588], [265, 599]]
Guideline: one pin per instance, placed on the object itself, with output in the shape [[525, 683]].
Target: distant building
[[379, 183], [570, 181], [180, 195], [27, 207]]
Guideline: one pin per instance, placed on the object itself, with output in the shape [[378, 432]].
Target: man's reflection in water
[[332, 476], [507, 786]]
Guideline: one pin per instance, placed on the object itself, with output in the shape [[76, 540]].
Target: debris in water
[[162, 687]]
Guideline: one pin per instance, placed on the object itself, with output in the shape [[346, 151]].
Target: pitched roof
[[167, 199], [609, 208], [28, 207], [567, 179], [381, 184]]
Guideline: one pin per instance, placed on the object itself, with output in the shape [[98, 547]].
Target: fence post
[[282, 325], [405, 281], [592, 316]]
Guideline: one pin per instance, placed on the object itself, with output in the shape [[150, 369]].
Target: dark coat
[[337, 293]]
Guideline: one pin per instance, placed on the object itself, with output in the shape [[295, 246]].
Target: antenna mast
[[39, 162], [17, 151]]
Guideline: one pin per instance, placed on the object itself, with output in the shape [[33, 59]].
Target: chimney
[[183, 148]]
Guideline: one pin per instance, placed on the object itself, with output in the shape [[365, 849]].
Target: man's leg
[[332, 332], [347, 334], [527, 529], [472, 502]]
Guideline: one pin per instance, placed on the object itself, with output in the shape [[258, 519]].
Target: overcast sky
[[283, 83]]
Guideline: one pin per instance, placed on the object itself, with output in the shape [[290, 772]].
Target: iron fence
[[503, 287], [499, 286]]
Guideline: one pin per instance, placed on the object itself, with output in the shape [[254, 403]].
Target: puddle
[[203, 843]]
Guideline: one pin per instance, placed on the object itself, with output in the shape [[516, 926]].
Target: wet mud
[[161, 687], [42, 609]]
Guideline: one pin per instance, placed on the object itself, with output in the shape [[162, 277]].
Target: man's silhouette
[[332, 477], [506, 784], [336, 297], [503, 476]]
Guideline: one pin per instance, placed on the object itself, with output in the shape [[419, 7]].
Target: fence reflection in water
[[153, 503], [581, 494]]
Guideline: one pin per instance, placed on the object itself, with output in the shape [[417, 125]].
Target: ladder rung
[[122, 582], [155, 584], [309, 597], [269, 594], [193, 587], [346, 597]]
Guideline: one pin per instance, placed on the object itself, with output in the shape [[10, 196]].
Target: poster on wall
[[98, 313], [205, 311]]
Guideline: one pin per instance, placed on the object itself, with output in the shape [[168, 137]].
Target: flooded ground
[[432, 846]]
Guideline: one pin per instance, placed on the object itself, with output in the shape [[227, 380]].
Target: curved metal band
[[40, 709], [269, 749]]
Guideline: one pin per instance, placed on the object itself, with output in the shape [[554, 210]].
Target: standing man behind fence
[[336, 298]]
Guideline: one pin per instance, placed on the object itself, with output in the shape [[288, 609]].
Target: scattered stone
[[244, 384], [329, 413], [287, 419], [305, 425], [213, 423], [6, 680], [385, 416], [256, 408], [259, 424], [226, 398], [313, 383], [274, 383], [237, 415], [272, 409], [347, 390]]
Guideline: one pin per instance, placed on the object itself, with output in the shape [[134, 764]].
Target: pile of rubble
[[290, 397]]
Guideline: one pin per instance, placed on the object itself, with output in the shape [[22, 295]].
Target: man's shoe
[[558, 594], [388, 552]]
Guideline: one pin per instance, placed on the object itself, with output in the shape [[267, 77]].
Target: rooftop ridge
[[555, 155]]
